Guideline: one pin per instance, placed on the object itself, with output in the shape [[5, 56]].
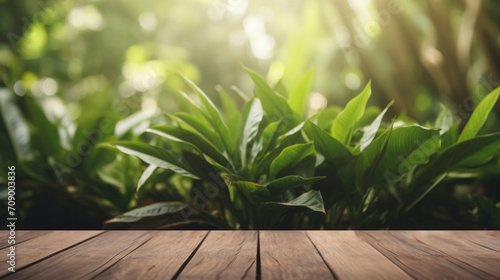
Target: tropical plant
[[380, 172], [261, 167], [250, 164], [62, 180]]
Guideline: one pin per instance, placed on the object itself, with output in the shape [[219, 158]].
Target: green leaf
[[251, 127], [121, 173], [344, 124], [266, 141], [372, 130], [165, 215], [145, 175], [281, 185], [280, 88], [311, 200], [325, 118], [369, 116], [202, 127], [408, 147], [479, 116], [228, 103], [16, 125], [369, 160], [468, 154], [291, 157], [215, 118], [182, 135], [329, 147], [154, 155], [298, 97], [254, 192], [126, 124], [47, 132], [275, 106], [444, 120]]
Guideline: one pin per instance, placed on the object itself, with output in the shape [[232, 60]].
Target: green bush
[[264, 167]]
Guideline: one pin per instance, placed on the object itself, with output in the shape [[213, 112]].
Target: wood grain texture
[[159, 258], [21, 236], [290, 255], [420, 260], [352, 258], [486, 239], [44, 245], [461, 249], [87, 259], [224, 255]]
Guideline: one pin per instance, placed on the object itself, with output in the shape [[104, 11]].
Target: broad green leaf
[[121, 173], [371, 131], [479, 116], [275, 106], [344, 124], [329, 147], [369, 159], [311, 200], [291, 157], [47, 133], [325, 118], [281, 185], [202, 127], [154, 155], [254, 192], [230, 107], [207, 171], [444, 120], [126, 124], [165, 215], [16, 125], [408, 147], [368, 117], [280, 88], [292, 131], [179, 134], [267, 140], [251, 127], [145, 175], [468, 154], [298, 97], [216, 120]]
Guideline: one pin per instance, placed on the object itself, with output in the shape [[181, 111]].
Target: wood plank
[[487, 239], [461, 249], [290, 255], [352, 258], [224, 255], [42, 246], [87, 259], [420, 260], [21, 236], [160, 258]]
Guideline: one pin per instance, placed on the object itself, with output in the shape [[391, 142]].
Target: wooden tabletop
[[253, 255]]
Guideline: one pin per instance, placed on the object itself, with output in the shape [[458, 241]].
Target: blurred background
[[85, 61]]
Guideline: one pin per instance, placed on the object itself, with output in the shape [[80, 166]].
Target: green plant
[[380, 172], [253, 163], [267, 162], [63, 181]]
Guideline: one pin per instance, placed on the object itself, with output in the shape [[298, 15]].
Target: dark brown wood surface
[[253, 255]]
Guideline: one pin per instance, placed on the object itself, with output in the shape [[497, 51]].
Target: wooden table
[[253, 255]]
